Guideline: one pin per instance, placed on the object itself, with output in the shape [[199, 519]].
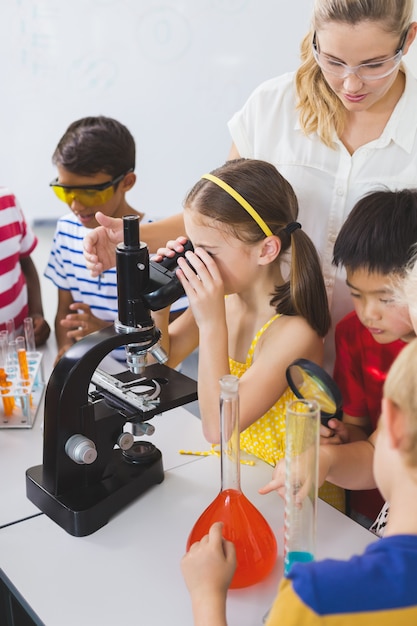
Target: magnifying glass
[[309, 381]]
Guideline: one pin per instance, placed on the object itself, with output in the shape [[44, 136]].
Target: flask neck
[[230, 433]]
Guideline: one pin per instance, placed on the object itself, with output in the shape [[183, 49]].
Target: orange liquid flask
[[243, 524]]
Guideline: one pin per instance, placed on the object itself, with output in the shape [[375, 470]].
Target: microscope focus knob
[[125, 441], [143, 428], [81, 450]]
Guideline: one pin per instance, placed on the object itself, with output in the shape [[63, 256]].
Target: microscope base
[[84, 510]]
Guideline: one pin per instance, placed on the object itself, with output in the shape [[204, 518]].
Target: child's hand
[[100, 244], [81, 324], [335, 434], [173, 246], [203, 285], [41, 329], [278, 480], [209, 565]]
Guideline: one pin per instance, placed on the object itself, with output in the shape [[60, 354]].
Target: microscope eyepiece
[[132, 264], [131, 231]]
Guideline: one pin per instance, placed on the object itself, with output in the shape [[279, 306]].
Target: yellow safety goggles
[[87, 195]]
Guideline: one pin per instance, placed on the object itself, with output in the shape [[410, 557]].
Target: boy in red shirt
[[374, 245]]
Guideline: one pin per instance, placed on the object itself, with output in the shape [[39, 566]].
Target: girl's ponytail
[[304, 293]]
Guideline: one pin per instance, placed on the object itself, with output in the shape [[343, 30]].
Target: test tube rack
[[27, 394]]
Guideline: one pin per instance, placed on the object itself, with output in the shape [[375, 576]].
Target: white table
[[128, 571]]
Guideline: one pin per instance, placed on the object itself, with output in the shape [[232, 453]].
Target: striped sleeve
[[67, 269]]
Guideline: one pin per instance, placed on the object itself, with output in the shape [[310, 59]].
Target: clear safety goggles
[[365, 71]]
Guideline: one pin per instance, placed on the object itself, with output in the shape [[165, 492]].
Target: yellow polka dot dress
[[265, 438]]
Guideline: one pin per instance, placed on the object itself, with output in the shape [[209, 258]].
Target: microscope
[[92, 467]]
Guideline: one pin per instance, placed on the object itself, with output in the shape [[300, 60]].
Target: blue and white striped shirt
[[67, 270]]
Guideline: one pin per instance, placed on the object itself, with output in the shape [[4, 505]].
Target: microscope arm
[[69, 412]]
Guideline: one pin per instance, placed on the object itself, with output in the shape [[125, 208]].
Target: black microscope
[[92, 467]]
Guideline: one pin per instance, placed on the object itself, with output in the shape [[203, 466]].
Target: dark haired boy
[[374, 245], [95, 160]]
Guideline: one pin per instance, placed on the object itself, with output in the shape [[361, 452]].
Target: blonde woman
[[342, 125]]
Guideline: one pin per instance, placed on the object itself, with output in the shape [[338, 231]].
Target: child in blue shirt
[[378, 586]]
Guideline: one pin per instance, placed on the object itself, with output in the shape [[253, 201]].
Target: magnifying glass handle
[[324, 419]]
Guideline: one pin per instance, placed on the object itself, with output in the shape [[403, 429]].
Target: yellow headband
[[236, 195]]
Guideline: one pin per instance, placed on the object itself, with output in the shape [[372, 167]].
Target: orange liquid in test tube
[[22, 360], [8, 401], [23, 365]]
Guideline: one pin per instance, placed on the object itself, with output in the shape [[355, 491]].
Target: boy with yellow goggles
[[87, 195], [92, 150]]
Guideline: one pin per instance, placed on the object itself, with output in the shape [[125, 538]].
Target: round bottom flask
[[243, 524]]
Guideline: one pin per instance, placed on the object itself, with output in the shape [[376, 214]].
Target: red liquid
[[245, 526]]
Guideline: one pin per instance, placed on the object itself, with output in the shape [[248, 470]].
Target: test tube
[[22, 359], [301, 481], [8, 401], [10, 329], [3, 347], [11, 365], [26, 403], [29, 335]]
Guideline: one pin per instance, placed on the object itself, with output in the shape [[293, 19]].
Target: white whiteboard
[[172, 71]]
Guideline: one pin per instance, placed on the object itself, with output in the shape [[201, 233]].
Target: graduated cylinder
[[301, 481]]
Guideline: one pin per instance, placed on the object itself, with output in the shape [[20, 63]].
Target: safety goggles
[[365, 71], [87, 195]]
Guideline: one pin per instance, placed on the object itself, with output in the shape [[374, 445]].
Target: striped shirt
[[67, 270], [17, 241]]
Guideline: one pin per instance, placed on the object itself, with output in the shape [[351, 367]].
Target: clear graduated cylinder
[[243, 524], [301, 481]]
